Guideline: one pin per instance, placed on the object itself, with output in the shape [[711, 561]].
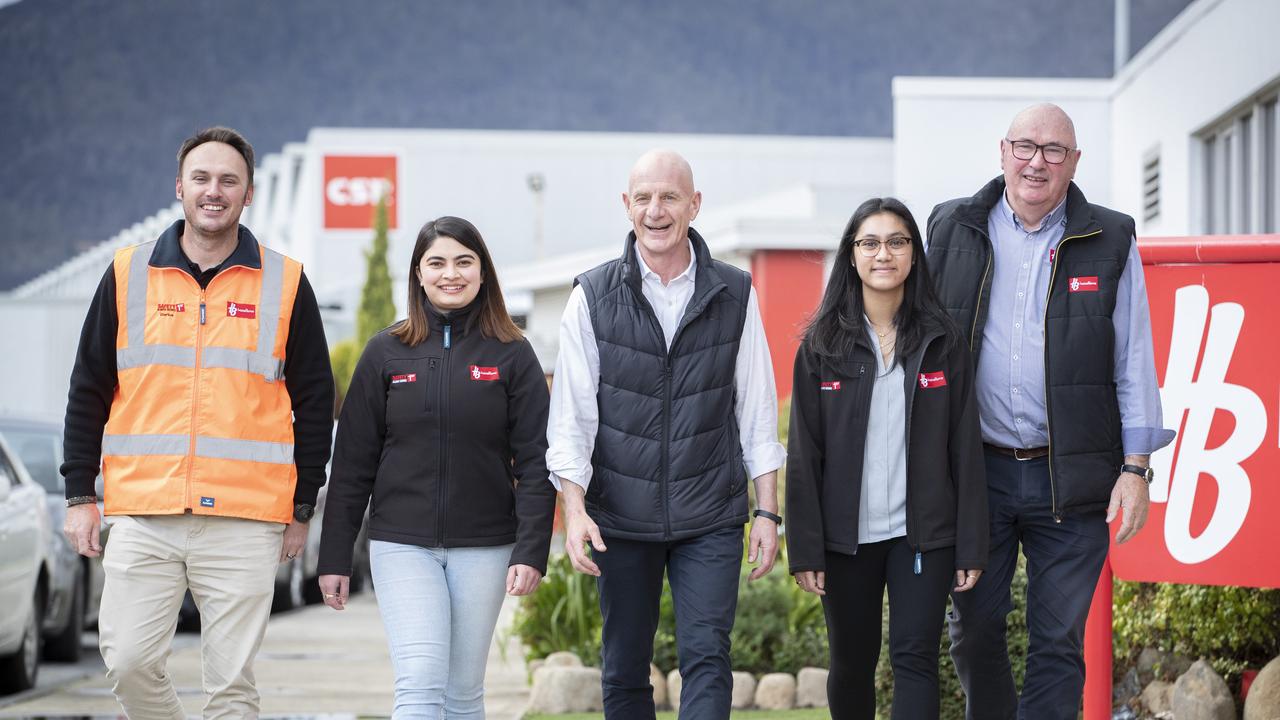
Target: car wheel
[[18, 671], [67, 645]]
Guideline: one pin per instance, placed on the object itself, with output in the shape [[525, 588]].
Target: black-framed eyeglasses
[[1054, 154], [871, 248]]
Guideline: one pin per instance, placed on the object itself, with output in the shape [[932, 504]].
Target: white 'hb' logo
[[1075, 283], [231, 309], [475, 372], [1198, 397]]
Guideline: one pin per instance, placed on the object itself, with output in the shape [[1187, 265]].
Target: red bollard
[[1097, 650]]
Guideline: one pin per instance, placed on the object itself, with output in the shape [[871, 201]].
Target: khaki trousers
[[150, 561]]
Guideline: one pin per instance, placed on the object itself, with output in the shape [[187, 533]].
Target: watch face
[[303, 513]]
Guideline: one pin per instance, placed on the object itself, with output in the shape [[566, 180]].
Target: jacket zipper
[[443, 390], [914, 524], [195, 402], [977, 306], [1048, 411]]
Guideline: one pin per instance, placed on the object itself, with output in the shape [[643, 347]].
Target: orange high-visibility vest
[[201, 418]]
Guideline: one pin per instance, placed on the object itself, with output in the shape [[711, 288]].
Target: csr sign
[[353, 184], [1216, 498]]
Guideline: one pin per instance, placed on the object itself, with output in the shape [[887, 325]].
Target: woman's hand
[[522, 579], [333, 588], [966, 579], [812, 581]]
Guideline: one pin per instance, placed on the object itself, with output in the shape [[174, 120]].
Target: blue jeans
[[703, 572], [1063, 562], [439, 607]]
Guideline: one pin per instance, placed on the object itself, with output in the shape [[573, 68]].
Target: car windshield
[[39, 453]]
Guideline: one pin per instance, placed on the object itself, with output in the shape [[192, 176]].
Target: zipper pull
[[202, 315], [919, 564], [447, 335]]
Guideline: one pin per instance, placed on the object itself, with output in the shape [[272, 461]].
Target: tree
[[376, 311]]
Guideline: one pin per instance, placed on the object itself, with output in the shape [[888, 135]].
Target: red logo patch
[[397, 379], [170, 308], [1083, 284], [833, 385], [932, 380], [1052, 252], [487, 374], [240, 310]]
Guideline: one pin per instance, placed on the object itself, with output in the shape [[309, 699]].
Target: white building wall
[[1212, 57], [40, 341], [947, 133]]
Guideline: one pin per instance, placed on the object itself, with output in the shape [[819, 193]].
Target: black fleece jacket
[[307, 375], [946, 476], [449, 437]]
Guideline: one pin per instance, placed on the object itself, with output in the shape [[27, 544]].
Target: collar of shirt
[[646, 274], [1056, 216]]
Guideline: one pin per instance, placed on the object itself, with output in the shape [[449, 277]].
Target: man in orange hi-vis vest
[[202, 384]]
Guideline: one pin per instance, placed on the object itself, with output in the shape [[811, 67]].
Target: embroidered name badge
[[1083, 284], [241, 310], [932, 380], [206, 502], [169, 309], [833, 385], [397, 379], [487, 374]]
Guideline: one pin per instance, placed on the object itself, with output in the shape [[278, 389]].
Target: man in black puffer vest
[[1049, 290], [663, 405]]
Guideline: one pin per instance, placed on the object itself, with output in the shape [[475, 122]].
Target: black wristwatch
[[303, 512], [1146, 473], [767, 515]]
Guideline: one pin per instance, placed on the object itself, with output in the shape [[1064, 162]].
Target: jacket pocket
[[411, 386]]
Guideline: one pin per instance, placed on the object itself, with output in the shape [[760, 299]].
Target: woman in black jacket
[[445, 426], [885, 479]]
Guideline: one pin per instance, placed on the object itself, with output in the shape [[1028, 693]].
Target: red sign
[[488, 374], [932, 380], [352, 187], [1083, 284], [833, 385], [242, 310], [397, 379], [1215, 499]]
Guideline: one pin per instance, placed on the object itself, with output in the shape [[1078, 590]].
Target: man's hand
[[1131, 495], [812, 581], [579, 528], [295, 534], [334, 588], [763, 546], [522, 579], [82, 528], [966, 579]]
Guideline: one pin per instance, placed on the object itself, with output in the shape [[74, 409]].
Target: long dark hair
[[836, 327], [490, 311]]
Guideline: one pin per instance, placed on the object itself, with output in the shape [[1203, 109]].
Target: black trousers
[[917, 605], [703, 572]]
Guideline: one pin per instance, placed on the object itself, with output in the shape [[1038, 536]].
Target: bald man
[[663, 405], [1048, 288]]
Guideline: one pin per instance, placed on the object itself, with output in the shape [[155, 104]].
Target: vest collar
[[975, 210], [168, 250]]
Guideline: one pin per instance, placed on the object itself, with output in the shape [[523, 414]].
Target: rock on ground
[[659, 683], [566, 689], [673, 689], [1263, 702], [744, 690], [811, 688], [1157, 697], [776, 691], [1200, 694], [564, 658]]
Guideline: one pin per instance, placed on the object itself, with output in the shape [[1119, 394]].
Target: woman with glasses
[[445, 427], [885, 482]]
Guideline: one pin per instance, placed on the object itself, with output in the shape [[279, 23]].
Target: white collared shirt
[[574, 418]]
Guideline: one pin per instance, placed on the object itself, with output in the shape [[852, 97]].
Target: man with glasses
[[1048, 289]]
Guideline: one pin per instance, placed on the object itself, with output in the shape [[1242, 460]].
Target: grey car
[[75, 584]]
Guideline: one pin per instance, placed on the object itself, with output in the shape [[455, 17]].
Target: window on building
[[1151, 186], [1239, 157]]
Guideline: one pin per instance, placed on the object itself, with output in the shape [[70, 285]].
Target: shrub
[[1233, 627]]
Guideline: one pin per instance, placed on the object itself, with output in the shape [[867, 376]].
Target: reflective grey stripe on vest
[[209, 447], [260, 362]]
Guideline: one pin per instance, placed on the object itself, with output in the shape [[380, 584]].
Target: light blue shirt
[[1010, 373], [882, 504]]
